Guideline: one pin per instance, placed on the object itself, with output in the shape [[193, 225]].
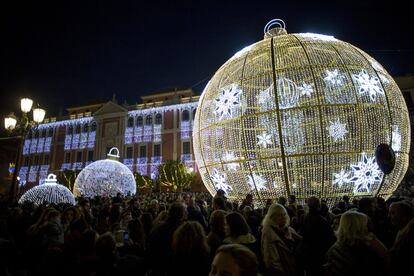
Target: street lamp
[[19, 129]]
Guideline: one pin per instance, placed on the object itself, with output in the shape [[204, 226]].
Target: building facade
[[146, 135]]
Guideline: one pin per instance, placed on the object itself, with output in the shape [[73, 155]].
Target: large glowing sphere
[[105, 178], [49, 192], [300, 114]]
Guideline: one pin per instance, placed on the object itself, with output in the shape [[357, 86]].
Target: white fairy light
[[306, 89], [365, 173], [49, 192], [264, 139], [368, 84], [256, 181], [341, 178], [334, 77], [228, 101]]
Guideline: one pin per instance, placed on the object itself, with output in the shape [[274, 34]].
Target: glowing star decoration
[[396, 139], [341, 178], [306, 89], [228, 101], [228, 158], [334, 77], [368, 84], [337, 130], [256, 182], [264, 140], [220, 181], [49, 192], [292, 122], [366, 173], [105, 178]]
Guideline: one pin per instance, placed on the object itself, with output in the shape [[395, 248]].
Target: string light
[[300, 114], [49, 192]]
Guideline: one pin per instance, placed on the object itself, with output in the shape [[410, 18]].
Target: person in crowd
[[248, 201], [278, 243], [217, 230], [160, 240], [69, 215], [195, 214], [238, 231], [107, 255], [318, 237], [191, 254], [52, 231], [125, 218], [356, 251], [219, 203], [234, 260], [400, 255]]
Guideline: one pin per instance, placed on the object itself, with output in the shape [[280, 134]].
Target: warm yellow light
[[300, 114], [38, 115], [26, 104], [10, 122]]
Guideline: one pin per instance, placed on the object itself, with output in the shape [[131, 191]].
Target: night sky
[[66, 53]]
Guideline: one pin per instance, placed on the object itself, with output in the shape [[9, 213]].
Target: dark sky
[[65, 53]]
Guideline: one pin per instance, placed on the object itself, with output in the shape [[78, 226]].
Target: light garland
[[91, 139], [48, 143], [68, 142], [50, 192], [303, 118], [162, 109], [105, 178], [40, 144], [26, 146], [23, 174], [129, 134], [33, 146], [32, 177], [83, 143]]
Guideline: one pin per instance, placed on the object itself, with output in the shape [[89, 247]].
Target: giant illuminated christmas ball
[[105, 178], [49, 192], [300, 114]]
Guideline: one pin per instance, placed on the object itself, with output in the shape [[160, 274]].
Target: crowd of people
[[195, 234]]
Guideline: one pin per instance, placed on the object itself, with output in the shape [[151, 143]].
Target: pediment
[[110, 107]]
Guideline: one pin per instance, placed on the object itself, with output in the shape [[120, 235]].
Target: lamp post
[[18, 129]]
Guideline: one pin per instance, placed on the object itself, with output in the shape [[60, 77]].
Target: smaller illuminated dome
[[105, 178], [49, 192]]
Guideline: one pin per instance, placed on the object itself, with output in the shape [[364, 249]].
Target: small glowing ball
[[300, 114], [105, 178], [49, 192]]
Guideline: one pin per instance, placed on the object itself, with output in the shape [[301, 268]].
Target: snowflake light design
[[228, 157], [396, 138], [337, 130], [220, 182], [341, 178], [334, 77], [228, 100], [256, 181], [264, 140], [306, 89], [368, 84], [266, 99], [366, 173]]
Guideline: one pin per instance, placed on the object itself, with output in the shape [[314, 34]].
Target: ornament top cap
[[280, 28], [112, 156], [51, 179]]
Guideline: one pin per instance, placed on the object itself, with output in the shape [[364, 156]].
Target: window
[[185, 116], [139, 121], [67, 157], [157, 150], [158, 119], [130, 122], [37, 134], [46, 160], [186, 148], [79, 156], [129, 152], [43, 133], [70, 130], [78, 129], [26, 161], [36, 160], [85, 128], [142, 151], [90, 155], [148, 120], [93, 128], [50, 132]]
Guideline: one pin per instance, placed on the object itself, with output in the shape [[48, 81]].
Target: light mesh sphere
[[105, 178], [50, 192], [300, 114]]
